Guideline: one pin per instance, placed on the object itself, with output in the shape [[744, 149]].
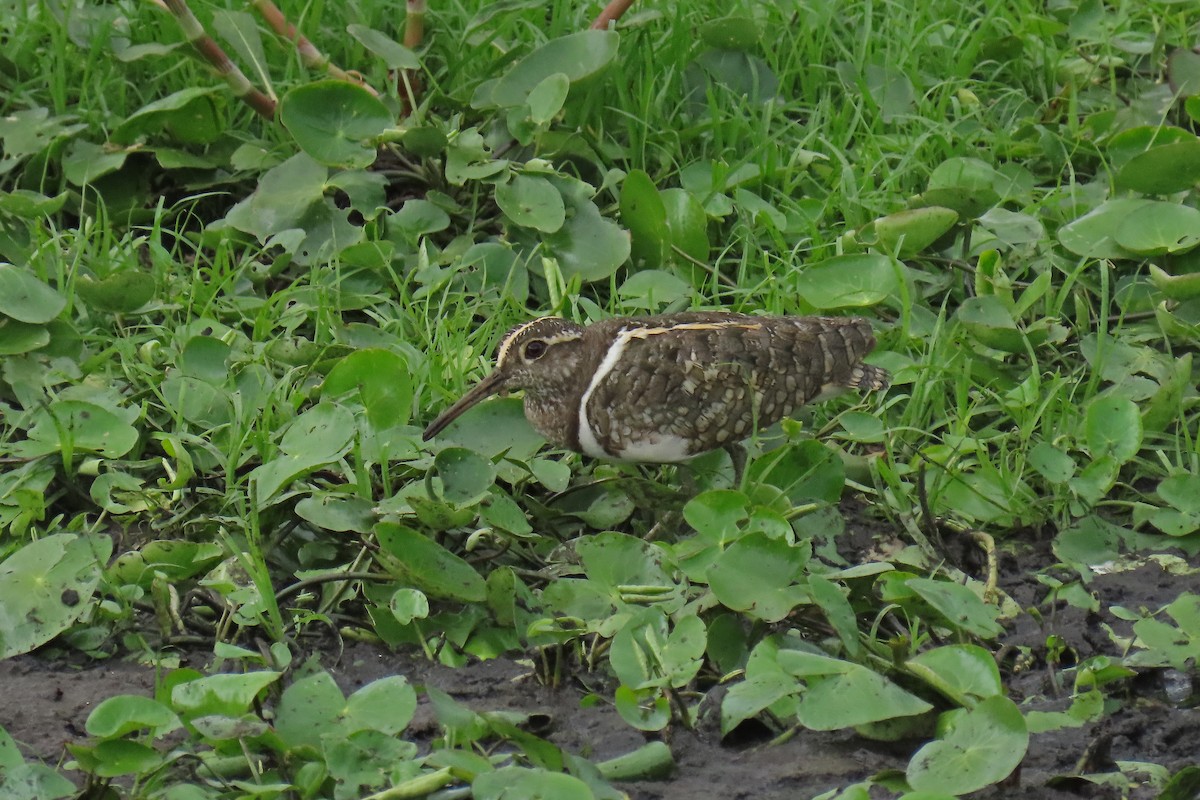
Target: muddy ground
[[44, 703]]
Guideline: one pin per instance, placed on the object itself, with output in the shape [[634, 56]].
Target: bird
[[666, 388]]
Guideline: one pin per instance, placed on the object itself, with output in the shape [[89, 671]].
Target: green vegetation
[[220, 337]]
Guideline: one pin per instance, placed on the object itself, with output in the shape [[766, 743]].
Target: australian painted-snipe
[[666, 388]]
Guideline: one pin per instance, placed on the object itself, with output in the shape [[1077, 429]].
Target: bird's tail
[[870, 378]]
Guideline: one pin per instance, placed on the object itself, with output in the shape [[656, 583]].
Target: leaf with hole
[[45, 586]]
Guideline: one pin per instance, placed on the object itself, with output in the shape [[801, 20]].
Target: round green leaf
[[532, 201], [466, 476], [385, 705], [27, 299], [409, 604], [848, 281], [309, 708], [383, 380], [1162, 170], [577, 56], [121, 757], [1159, 228], [45, 586], [1113, 427], [960, 606], [757, 574], [983, 748], [323, 433], [589, 245], [989, 321], [1093, 234], [335, 122]]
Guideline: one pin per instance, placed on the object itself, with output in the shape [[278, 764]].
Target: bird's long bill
[[487, 387]]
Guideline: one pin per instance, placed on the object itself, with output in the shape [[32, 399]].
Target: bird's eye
[[535, 349]]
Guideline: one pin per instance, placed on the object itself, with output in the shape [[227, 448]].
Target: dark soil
[[44, 704]]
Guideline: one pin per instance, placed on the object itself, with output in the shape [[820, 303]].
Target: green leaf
[[382, 380], [323, 432], [27, 299], [120, 293], [850, 281], [532, 201], [1165, 169], [589, 245], [45, 586], [227, 695], [1094, 234], [1183, 70], [547, 98], [1159, 228], [29, 204], [751, 696], [308, 709], [394, 54], [1052, 463], [757, 574], [21, 337], [688, 224], [123, 714], [645, 214], [989, 321], [638, 713], [427, 565], [907, 233], [335, 122], [577, 55], [963, 673], [983, 747], [191, 112], [514, 783], [386, 705], [838, 611], [1113, 427], [283, 196], [804, 471], [960, 606], [853, 695], [730, 33], [466, 476]]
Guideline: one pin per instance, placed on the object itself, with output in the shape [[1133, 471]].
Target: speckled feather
[[669, 387]]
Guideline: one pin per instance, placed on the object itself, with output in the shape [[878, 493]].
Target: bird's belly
[[656, 448]]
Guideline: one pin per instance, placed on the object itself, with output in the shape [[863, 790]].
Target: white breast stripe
[[588, 442], [666, 448]]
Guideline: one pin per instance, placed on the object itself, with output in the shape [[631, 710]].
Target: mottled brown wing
[[713, 379]]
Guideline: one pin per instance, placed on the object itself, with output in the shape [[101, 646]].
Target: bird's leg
[[737, 455]]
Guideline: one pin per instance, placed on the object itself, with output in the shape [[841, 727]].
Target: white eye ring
[[535, 350]]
